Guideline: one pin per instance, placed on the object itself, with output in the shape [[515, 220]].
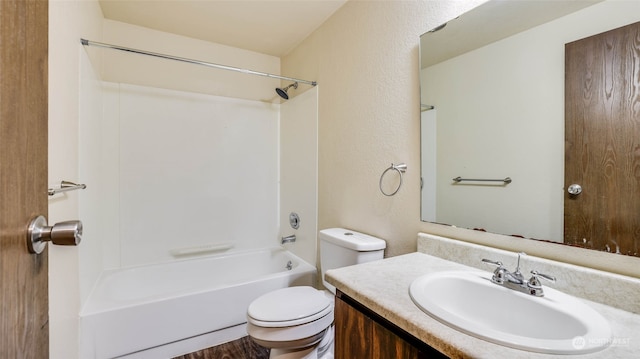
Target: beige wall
[[365, 59]]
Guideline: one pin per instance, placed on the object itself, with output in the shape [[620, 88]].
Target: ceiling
[[272, 27], [489, 22]]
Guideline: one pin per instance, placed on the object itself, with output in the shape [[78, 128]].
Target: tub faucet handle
[[289, 239]]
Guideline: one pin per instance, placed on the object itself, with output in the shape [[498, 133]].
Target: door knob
[[574, 189], [68, 233]]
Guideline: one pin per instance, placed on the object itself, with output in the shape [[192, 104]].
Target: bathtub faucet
[[289, 239]]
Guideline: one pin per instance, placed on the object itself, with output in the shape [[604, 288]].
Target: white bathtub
[[135, 309]]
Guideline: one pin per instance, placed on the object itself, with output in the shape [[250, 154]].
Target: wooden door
[[24, 329], [602, 140]]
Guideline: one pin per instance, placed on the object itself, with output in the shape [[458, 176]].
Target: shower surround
[[194, 172], [93, 138], [194, 178]]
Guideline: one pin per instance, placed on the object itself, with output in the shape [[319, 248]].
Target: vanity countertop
[[383, 287]]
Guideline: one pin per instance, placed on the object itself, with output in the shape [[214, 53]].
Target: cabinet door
[[387, 345], [360, 335], [353, 332]]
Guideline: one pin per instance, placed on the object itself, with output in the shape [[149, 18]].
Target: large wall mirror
[[493, 120]]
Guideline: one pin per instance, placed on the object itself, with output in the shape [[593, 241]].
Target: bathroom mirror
[[492, 112]]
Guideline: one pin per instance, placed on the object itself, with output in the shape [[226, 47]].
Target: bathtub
[[135, 309]]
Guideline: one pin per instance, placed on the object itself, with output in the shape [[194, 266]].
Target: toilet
[[297, 322]]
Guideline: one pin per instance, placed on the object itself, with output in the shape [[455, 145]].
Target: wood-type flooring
[[243, 348]]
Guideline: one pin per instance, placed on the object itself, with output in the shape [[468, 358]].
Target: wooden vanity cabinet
[[360, 333]]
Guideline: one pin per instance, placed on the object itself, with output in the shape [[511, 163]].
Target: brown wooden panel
[[364, 334], [24, 329], [387, 345], [602, 140], [353, 332]]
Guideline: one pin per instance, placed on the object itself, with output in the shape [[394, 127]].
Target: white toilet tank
[[341, 247]]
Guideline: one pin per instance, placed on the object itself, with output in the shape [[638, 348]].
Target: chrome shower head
[[282, 91]]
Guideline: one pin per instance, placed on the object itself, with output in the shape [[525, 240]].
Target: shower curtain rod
[[196, 62]]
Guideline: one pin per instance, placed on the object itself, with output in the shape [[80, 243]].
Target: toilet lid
[[288, 304]]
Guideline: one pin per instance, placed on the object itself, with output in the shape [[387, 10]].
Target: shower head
[[282, 91]]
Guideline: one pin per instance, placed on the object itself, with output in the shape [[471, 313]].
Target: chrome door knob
[[68, 233], [574, 189]]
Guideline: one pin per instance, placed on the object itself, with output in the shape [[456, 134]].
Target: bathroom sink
[[468, 301]]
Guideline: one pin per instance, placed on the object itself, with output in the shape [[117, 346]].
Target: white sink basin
[[554, 324]]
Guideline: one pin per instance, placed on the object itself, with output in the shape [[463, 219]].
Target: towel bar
[[66, 186], [506, 180]]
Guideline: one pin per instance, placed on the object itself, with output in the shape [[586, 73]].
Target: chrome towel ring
[[400, 168]]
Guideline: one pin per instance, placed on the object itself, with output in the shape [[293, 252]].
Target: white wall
[[299, 172], [92, 200], [193, 170], [159, 73], [504, 131], [489, 134], [68, 22]]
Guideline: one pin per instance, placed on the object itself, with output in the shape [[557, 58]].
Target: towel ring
[[400, 168]]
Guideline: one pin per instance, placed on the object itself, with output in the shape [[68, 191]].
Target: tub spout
[[289, 239]]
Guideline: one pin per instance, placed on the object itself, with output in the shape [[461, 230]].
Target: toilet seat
[[288, 307], [293, 317], [290, 323]]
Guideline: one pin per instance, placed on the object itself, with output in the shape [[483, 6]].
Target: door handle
[[68, 233], [575, 189]]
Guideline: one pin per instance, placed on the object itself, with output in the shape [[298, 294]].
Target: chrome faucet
[[515, 280], [289, 239]]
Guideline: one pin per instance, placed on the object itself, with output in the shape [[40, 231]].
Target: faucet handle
[[495, 263], [499, 273], [534, 282], [534, 286]]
